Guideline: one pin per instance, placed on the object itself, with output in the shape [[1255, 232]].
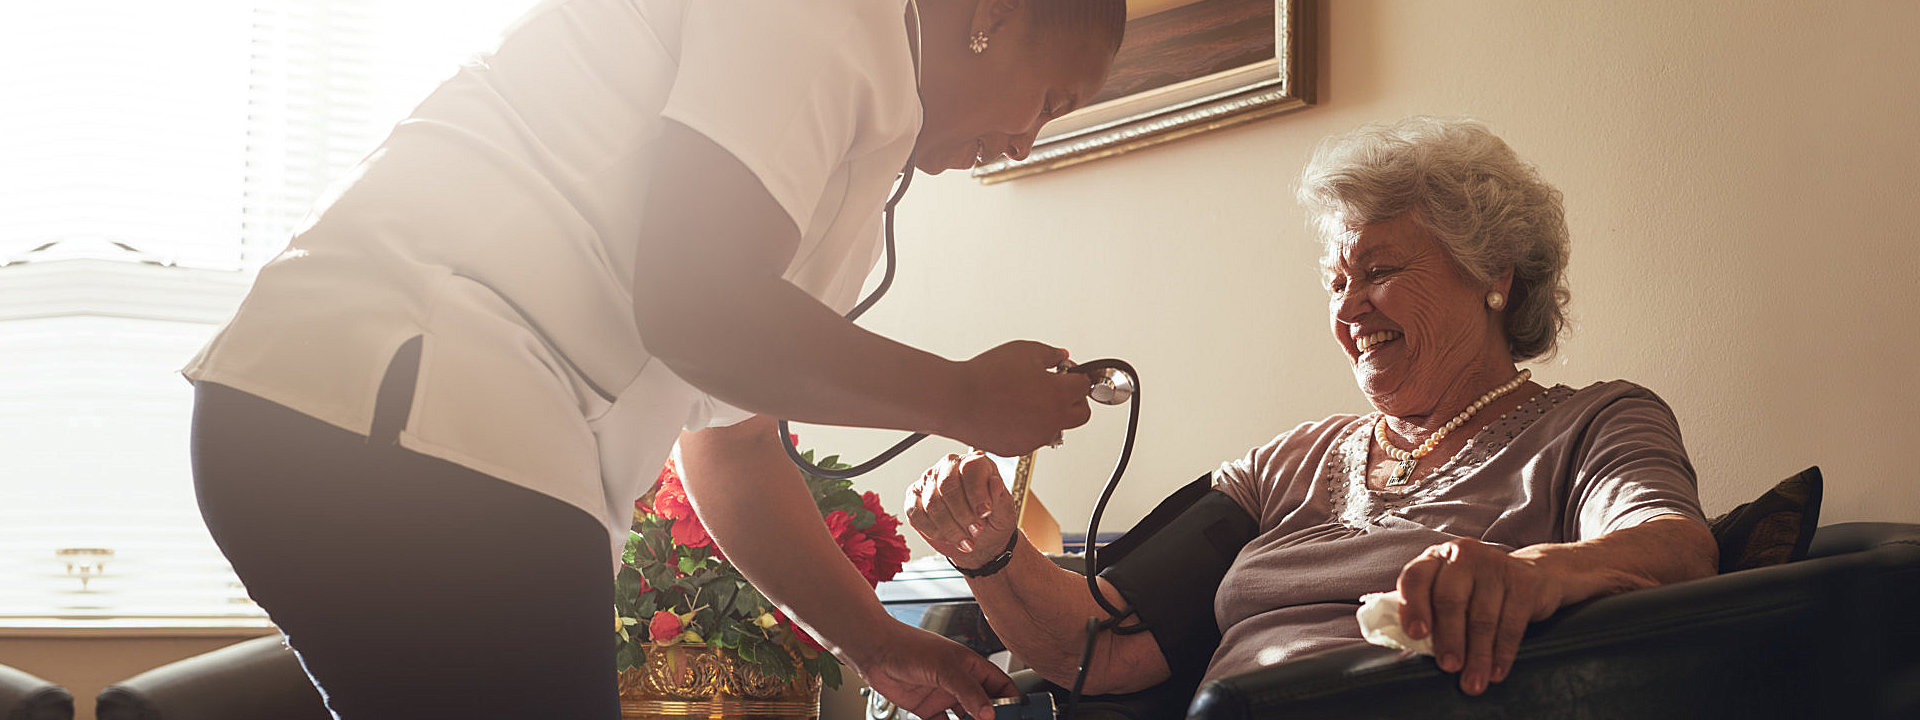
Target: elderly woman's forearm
[[1666, 549], [1040, 610]]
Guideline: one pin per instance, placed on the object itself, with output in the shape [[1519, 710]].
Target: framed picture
[[1186, 67]]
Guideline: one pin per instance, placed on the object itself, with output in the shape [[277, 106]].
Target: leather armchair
[[25, 697], [1836, 635], [258, 679]]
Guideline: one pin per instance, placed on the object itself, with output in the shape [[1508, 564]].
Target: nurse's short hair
[[1106, 19], [1490, 209]]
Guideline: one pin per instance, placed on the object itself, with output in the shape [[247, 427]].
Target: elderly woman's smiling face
[[1409, 320]]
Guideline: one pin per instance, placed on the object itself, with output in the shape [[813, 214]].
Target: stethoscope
[[1111, 382]]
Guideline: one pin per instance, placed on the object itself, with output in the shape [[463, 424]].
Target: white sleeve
[[710, 413], [786, 88], [794, 91]]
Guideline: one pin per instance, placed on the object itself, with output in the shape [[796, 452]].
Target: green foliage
[[660, 575], [830, 674]]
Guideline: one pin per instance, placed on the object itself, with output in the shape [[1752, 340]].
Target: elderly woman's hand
[[963, 509], [1476, 600]]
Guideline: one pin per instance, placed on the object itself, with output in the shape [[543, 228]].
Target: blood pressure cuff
[[1170, 565]]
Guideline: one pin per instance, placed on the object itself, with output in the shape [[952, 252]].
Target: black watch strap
[[998, 563]]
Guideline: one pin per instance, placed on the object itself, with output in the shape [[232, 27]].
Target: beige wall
[[1740, 181]]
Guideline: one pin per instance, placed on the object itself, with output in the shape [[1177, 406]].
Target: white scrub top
[[500, 223]]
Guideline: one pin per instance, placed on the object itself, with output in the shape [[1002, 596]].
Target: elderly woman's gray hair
[[1488, 207]]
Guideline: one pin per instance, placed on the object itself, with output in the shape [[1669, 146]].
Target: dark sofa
[[25, 697], [258, 679], [1834, 635]]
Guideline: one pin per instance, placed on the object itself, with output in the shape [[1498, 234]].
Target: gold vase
[[691, 680]]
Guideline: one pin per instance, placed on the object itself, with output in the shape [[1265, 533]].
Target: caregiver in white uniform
[[635, 219]]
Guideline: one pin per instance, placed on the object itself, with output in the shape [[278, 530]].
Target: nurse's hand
[[928, 674], [1013, 403]]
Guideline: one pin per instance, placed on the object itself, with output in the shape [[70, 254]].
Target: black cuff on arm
[[1170, 566]]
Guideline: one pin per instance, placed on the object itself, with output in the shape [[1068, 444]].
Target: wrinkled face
[[1409, 320], [981, 107]]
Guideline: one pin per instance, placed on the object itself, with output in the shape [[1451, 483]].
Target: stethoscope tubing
[[886, 283], [1116, 616]]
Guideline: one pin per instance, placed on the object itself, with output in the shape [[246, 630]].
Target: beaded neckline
[[1344, 474]]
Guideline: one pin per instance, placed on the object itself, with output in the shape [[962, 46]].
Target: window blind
[[156, 155], [93, 441]]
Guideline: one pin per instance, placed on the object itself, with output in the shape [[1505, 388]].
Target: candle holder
[[84, 563]]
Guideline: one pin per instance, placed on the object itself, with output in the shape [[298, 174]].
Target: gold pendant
[[1402, 473]]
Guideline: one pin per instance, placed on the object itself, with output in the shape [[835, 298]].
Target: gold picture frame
[[1192, 67]]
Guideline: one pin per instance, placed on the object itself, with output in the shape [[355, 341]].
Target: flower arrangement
[[675, 586]]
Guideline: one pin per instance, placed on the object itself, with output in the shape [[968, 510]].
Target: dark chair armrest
[[1843, 538], [1829, 637], [25, 697], [258, 678]]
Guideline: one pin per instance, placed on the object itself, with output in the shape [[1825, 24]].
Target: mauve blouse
[[1565, 466]]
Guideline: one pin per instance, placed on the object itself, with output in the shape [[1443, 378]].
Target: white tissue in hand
[[1379, 616]]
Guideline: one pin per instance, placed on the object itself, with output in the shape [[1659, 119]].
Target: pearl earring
[[1496, 301], [978, 43]]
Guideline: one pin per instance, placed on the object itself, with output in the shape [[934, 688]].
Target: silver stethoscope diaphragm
[[1110, 386]]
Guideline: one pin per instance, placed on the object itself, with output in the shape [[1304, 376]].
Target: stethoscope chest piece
[[1110, 386]]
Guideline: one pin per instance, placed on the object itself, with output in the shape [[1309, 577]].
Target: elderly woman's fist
[[963, 509]]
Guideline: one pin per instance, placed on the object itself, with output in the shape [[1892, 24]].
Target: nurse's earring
[[1496, 301], [978, 43]]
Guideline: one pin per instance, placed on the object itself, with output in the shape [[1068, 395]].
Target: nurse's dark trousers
[[409, 586]]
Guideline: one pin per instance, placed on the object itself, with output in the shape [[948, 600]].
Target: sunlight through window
[[155, 155]]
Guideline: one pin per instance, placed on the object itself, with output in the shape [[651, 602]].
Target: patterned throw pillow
[[1773, 529]]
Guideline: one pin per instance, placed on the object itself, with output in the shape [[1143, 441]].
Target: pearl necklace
[[1403, 473]]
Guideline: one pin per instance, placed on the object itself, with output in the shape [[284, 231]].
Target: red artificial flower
[[668, 474], [690, 532], [858, 547], [664, 627], [670, 501], [797, 631], [892, 555], [890, 549]]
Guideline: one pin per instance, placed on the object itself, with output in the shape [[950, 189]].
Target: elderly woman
[[1484, 499]]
